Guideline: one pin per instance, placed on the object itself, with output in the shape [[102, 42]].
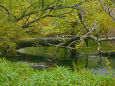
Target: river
[[88, 58]]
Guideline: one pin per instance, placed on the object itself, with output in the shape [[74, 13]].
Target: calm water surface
[[87, 58]]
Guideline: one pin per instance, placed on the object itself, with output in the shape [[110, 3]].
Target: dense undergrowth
[[18, 74]]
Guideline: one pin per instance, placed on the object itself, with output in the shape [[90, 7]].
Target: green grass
[[18, 74]]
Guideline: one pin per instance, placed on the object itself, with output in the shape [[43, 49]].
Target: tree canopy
[[26, 18]]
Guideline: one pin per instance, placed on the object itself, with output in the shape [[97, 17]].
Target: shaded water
[[64, 57]]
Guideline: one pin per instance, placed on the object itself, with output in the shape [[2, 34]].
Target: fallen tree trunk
[[29, 42], [107, 39]]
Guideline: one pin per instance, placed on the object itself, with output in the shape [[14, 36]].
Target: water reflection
[[86, 66], [64, 57]]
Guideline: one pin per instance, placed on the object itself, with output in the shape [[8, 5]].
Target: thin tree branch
[[42, 4], [109, 13], [55, 7], [37, 19], [5, 9], [81, 19], [25, 15]]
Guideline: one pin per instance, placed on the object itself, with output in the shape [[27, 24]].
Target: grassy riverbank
[[18, 74]]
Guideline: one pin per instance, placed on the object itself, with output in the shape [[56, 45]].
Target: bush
[[18, 74]]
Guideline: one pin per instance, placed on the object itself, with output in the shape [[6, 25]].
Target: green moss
[[18, 74]]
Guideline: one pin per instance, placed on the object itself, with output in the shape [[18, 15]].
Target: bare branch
[[108, 12]]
